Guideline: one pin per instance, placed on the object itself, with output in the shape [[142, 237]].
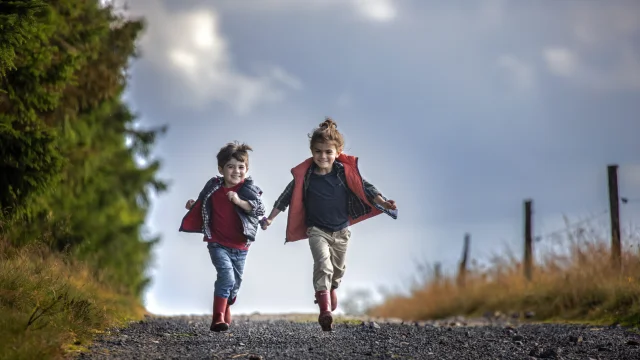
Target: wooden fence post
[[437, 272], [614, 205], [528, 239], [462, 268]]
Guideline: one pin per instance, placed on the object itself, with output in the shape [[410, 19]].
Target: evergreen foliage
[[75, 171]]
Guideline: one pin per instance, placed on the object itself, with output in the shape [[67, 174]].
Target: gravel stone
[[278, 338], [575, 339]]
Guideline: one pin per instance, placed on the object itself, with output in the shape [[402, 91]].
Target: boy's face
[[324, 154], [234, 172]]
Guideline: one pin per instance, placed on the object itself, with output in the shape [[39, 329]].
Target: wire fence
[[571, 226], [568, 227], [614, 212]]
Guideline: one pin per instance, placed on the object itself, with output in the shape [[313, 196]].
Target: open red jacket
[[296, 218]]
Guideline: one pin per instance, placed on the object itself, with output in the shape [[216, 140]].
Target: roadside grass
[[573, 281], [51, 305]]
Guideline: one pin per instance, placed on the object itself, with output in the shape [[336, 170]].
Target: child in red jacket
[[227, 212], [326, 196]]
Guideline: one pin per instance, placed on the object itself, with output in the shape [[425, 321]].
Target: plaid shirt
[[356, 206]]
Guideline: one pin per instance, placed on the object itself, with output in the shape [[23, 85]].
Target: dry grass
[[51, 305], [573, 282]]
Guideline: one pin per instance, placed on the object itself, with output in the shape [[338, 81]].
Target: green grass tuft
[[51, 305]]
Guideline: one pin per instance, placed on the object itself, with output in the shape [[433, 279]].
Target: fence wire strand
[[570, 226]]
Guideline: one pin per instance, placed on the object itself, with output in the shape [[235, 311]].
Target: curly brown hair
[[327, 132], [234, 150]]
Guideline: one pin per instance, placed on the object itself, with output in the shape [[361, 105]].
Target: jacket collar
[[219, 180], [337, 165]]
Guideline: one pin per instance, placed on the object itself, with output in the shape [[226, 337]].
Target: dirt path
[[298, 337]]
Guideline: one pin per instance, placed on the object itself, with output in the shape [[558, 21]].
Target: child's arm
[[242, 204], [279, 206], [375, 196], [204, 190], [268, 220], [258, 208], [253, 208]]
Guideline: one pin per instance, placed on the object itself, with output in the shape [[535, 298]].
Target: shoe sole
[[325, 322], [219, 327]]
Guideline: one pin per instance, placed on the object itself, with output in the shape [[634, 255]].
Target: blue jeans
[[229, 264]]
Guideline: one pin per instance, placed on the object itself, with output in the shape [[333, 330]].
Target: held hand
[[233, 197], [389, 205], [264, 223], [189, 204]]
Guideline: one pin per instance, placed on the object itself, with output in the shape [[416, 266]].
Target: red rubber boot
[[334, 299], [219, 307], [227, 312], [324, 303]]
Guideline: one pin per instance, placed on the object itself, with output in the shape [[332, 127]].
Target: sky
[[459, 112]]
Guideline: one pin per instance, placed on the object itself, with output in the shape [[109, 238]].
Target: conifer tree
[[71, 150]]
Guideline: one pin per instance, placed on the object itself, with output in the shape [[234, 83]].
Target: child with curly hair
[[326, 196]]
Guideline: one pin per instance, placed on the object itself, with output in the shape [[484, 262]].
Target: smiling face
[[324, 154], [234, 172]]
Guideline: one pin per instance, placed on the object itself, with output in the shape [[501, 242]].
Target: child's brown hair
[[327, 132], [234, 150]]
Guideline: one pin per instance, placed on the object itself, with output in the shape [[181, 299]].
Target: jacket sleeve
[[257, 207], [207, 187], [285, 198], [371, 191], [192, 220]]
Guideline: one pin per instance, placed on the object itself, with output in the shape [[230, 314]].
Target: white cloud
[[520, 72], [605, 38], [191, 45], [184, 60], [286, 78], [560, 61], [378, 10], [622, 74], [204, 33]]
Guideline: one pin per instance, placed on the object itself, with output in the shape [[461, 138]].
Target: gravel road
[[282, 337]]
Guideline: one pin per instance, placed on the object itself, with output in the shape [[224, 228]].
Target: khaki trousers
[[329, 254]]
